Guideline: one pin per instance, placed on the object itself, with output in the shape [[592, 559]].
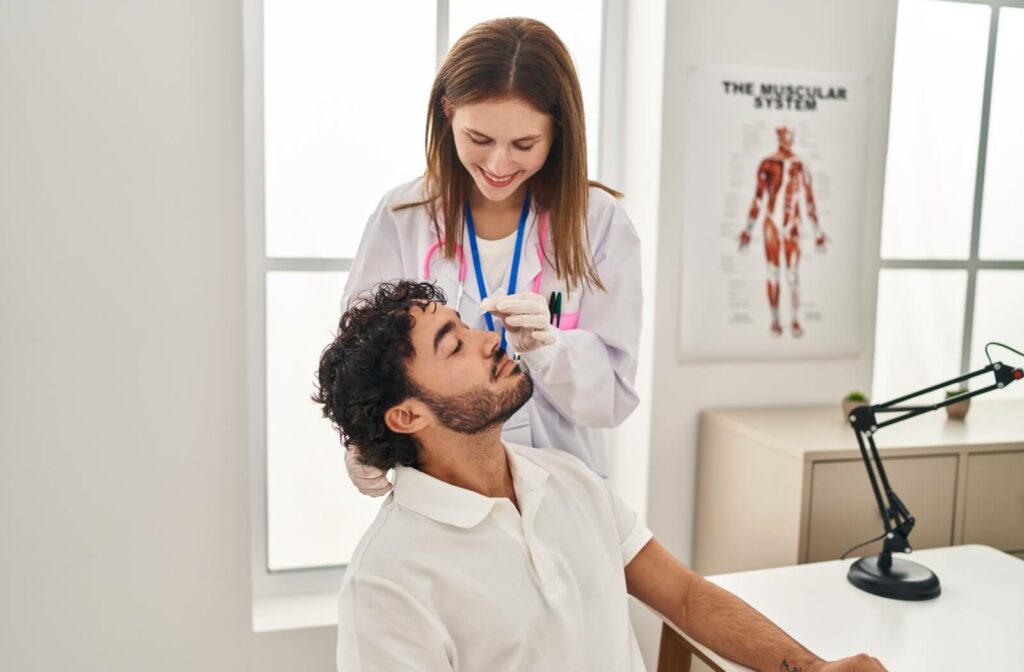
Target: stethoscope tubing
[[462, 269]]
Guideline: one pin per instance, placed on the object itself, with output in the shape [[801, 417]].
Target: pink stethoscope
[[543, 229]]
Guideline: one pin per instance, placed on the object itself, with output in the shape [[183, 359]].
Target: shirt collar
[[452, 505]]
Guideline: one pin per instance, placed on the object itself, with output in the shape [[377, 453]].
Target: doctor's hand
[[370, 480], [526, 319]]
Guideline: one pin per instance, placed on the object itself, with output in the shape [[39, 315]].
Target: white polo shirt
[[447, 579]]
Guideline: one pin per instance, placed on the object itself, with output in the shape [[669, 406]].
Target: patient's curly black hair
[[363, 371]]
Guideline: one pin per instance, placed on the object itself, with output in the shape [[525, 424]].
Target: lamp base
[[905, 580]]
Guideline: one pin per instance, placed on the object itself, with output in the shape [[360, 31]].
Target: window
[[326, 137], [952, 253]]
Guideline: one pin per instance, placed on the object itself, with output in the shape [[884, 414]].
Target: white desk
[[976, 624]]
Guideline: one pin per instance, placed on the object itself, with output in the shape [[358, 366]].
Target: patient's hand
[[862, 662]]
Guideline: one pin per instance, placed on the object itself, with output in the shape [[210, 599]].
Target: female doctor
[[507, 223]]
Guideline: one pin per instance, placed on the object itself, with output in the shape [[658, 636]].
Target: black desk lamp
[[884, 575]]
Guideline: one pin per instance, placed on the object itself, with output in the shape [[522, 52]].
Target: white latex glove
[[370, 480], [526, 319]]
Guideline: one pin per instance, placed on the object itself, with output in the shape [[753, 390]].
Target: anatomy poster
[[773, 210]]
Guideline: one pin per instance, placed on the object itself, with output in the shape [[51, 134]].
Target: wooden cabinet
[[787, 485], [843, 510], [995, 500]]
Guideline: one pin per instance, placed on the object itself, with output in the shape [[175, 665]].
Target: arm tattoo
[[785, 667]]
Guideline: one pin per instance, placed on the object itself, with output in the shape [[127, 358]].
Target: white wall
[[641, 95], [854, 37], [123, 454], [124, 517]]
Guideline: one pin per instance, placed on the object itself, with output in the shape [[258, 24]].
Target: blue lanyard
[[515, 259]]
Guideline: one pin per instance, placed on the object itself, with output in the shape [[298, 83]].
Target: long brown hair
[[521, 58]]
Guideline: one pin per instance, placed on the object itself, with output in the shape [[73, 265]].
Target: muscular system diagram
[[783, 187]]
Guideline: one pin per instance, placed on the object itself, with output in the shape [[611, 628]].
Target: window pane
[[345, 100], [578, 24], [1002, 218], [919, 331], [997, 317], [314, 514], [935, 118]]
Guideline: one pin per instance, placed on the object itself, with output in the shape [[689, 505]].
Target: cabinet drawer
[[843, 510], [994, 511]]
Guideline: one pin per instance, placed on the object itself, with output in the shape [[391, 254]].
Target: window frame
[[271, 584], [972, 264]]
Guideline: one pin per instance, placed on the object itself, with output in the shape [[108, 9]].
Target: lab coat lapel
[[529, 262]]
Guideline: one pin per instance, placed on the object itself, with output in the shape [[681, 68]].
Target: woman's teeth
[[500, 181]]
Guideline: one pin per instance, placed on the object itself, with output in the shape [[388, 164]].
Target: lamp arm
[[896, 518], [864, 418]]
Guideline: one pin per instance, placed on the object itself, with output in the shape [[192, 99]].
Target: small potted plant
[[852, 401], [958, 410]]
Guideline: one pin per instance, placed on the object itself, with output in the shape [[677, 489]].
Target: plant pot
[[849, 405], [958, 411]]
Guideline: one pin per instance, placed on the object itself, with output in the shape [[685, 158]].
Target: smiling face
[[502, 143], [462, 375]]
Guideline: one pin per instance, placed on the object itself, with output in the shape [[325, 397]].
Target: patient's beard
[[479, 409]]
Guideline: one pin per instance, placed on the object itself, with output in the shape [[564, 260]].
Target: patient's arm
[[720, 620]]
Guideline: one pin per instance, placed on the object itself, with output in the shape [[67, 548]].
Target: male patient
[[489, 556]]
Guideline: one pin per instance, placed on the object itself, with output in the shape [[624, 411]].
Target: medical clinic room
[[494, 336]]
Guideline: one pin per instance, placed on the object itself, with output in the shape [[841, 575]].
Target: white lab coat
[[584, 382]]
